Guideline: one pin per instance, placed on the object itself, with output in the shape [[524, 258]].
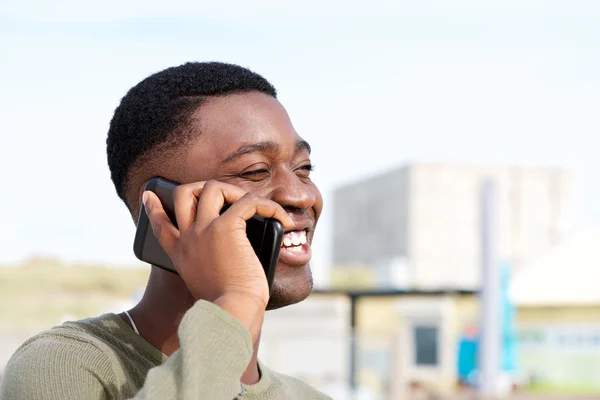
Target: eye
[[256, 174], [305, 170]]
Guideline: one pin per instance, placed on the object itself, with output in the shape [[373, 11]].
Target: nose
[[292, 192]]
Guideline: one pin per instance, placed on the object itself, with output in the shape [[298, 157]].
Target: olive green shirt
[[103, 358]]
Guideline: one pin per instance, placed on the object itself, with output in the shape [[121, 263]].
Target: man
[[219, 130]]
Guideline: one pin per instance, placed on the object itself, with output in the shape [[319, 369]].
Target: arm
[[215, 350]]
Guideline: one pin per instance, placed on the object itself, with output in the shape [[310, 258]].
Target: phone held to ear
[[265, 234]]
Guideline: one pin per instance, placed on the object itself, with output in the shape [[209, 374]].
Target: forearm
[[215, 349]]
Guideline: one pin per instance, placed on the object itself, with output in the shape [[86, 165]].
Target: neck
[[159, 313]]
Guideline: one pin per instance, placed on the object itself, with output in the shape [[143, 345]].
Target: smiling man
[[220, 131]]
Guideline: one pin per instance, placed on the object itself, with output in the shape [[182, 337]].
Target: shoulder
[[72, 341], [60, 360], [59, 344]]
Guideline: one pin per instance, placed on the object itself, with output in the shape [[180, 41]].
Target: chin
[[291, 286]]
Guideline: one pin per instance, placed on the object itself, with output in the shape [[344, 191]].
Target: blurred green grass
[[40, 292], [562, 372], [548, 388]]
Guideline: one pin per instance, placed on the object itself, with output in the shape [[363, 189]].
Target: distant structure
[[418, 226]]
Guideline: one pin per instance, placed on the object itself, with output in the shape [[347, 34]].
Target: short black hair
[[156, 111]]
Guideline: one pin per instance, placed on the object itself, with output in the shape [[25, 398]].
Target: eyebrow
[[264, 147]]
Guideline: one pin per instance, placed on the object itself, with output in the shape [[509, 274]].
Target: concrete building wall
[[443, 220], [428, 215], [371, 219], [534, 214]]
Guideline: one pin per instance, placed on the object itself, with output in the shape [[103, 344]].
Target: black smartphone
[[265, 234]]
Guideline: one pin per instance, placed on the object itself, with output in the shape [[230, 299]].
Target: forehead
[[226, 123]]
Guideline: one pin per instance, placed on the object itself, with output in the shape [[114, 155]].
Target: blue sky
[[371, 87]]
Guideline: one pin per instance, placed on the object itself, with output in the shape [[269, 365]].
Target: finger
[[185, 198], [250, 205], [164, 231], [214, 196]]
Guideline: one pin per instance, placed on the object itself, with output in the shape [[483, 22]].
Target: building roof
[[566, 276], [392, 292]]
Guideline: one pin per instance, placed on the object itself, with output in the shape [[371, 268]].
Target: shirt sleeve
[[215, 350]]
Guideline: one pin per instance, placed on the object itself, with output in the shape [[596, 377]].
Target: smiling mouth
[[294, 241], [295, 249]]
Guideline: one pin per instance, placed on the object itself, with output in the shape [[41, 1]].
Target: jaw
[[291, 286]]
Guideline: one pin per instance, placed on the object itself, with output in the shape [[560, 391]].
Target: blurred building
[[418, 226], [403, 311], [399, 338]]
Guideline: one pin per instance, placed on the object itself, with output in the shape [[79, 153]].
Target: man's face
[[248, 140]]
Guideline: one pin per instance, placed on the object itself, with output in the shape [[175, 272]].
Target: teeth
[[294, 239]]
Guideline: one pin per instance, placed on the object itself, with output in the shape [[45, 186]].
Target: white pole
[[489, 353], [398, 382]]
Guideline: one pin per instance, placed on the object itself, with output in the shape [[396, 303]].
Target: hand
[[211, 252]]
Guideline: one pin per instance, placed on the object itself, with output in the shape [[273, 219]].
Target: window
[[426, 345], [530, 337]]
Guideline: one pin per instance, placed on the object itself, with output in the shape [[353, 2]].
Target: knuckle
[[251, 197], [211, 184], [273, 204], [218, 226], [184, 249]]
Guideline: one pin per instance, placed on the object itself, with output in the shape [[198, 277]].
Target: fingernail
[[144, 198]]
